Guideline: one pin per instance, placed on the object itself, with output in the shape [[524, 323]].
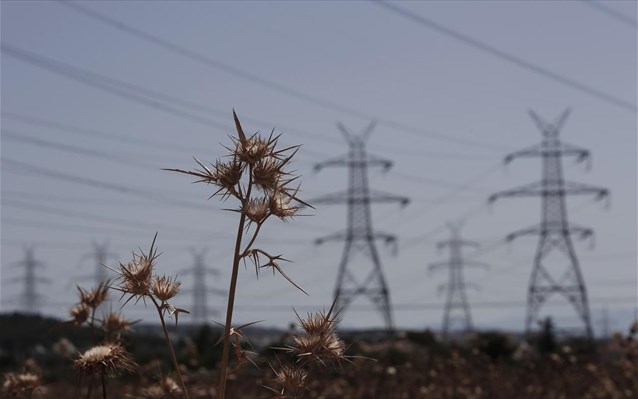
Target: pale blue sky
[[468, 109]]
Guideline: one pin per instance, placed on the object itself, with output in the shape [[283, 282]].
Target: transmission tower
[[199, 270], [100, 255], [457, 307], [29, 299], [359, 236], [555, 255]]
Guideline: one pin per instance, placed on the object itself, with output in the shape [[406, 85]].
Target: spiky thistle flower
[[256, 177], [164, 389], [165, 287], [256, 209], [114, 324], [22, 385], [107, 358], [319, 342], [135, 278], [292, 380], [79, 313], [95, 297]]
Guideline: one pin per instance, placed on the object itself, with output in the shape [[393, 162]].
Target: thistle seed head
[[292, 380], [95, 297], [165, 287], [137, 275], [79, 313], [267, 173], [256, 210], [319, 323], [227, 176], [105, 358], [253, 149], [114, 324], [323, 348], [280, 205], [22, 385], [166, 388]]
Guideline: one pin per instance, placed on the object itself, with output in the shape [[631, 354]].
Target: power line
[[120, 159], [511, 58], [142, 95], [103, 84], [133, 92], [99, 134], [133, 191], [206, 60], [91, 216], [599, 6], [71, 199]]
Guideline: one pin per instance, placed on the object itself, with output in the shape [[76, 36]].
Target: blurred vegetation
[[481, 365]]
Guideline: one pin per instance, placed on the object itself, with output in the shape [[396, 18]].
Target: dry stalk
[[254, 176]]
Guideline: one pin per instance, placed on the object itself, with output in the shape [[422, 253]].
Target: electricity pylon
[[367, 280], [100, 255], [555, 253], [29, 299], [457, 307], [200, 310]]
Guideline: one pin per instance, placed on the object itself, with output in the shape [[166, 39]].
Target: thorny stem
[[231, 294], [91, 325], [103, 386], [89, 391], [170, 346], [229, 309], [252, 240]]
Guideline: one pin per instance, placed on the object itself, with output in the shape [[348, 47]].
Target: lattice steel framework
[[200, 310], [359, 236], [101, 256], [457, 307], [555, 254], [29, 299]]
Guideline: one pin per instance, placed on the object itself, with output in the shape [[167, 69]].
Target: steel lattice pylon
[[359, 236], [457, 307], [101, 255], [199, 271], [29, 299], [554, 231]]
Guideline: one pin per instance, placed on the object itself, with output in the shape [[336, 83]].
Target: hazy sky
[[450, 84]]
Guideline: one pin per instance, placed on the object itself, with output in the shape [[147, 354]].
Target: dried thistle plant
[[254, 174], [90, 300], [318, 345], [24, 384], [102, 360], [137, 280]]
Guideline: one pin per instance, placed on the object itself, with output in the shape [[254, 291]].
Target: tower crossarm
[[374, 160], [559, 188], [580, 231], [22, 263], [438, 265], [557, 149], [528, 190], [571, 188], [456, 242], [342, 160], [344, 197], [342, 236], [474, 263]]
